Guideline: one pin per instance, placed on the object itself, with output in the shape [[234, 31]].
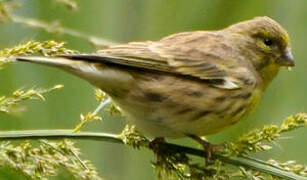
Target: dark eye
[[268, 42]]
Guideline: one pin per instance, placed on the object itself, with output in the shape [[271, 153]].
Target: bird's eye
[[268, 42]]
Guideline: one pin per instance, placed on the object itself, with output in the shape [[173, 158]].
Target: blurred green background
[[137, 20]]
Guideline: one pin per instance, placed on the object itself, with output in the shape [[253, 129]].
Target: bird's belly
[[153, 119], [170, 106], [159, 127]]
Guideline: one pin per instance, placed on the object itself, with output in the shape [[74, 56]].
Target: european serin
[[190, 83]]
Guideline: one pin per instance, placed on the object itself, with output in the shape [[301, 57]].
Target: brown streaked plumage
[[191, 83]]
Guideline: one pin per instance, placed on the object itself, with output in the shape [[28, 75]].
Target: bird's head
[[268, 41]]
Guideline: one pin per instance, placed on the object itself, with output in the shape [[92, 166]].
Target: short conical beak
[[287, 59]]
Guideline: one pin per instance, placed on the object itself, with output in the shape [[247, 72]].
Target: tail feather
[[49, 61], [109, 79]]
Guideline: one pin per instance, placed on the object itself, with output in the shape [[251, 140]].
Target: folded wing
[[187, 54]]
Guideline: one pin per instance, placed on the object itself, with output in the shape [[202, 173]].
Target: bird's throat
[[268, 73]]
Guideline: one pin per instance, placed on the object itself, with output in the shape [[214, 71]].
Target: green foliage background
[[137, 20]]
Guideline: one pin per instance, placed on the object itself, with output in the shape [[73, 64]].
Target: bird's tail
[[97, 73], [49, 61]]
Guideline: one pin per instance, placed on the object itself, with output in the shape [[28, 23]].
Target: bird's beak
[[286, 59]]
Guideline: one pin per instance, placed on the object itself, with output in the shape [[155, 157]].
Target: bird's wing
[[173, 56]]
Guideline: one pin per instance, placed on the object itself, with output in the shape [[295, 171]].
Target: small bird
[[186, 84]]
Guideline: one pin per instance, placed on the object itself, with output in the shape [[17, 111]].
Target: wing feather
[[184, 55]]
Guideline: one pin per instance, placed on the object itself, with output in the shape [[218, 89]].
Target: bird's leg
[[154, 144], [208, 147]]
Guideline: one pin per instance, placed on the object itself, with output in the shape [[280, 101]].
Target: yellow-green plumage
[[188, 83]]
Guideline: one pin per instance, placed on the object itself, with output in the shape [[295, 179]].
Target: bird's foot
[[209, 148], [155, 143]]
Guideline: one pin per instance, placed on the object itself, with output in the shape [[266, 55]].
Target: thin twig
[[248, 162], [102, 105], [92, 115], [56, 28]]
